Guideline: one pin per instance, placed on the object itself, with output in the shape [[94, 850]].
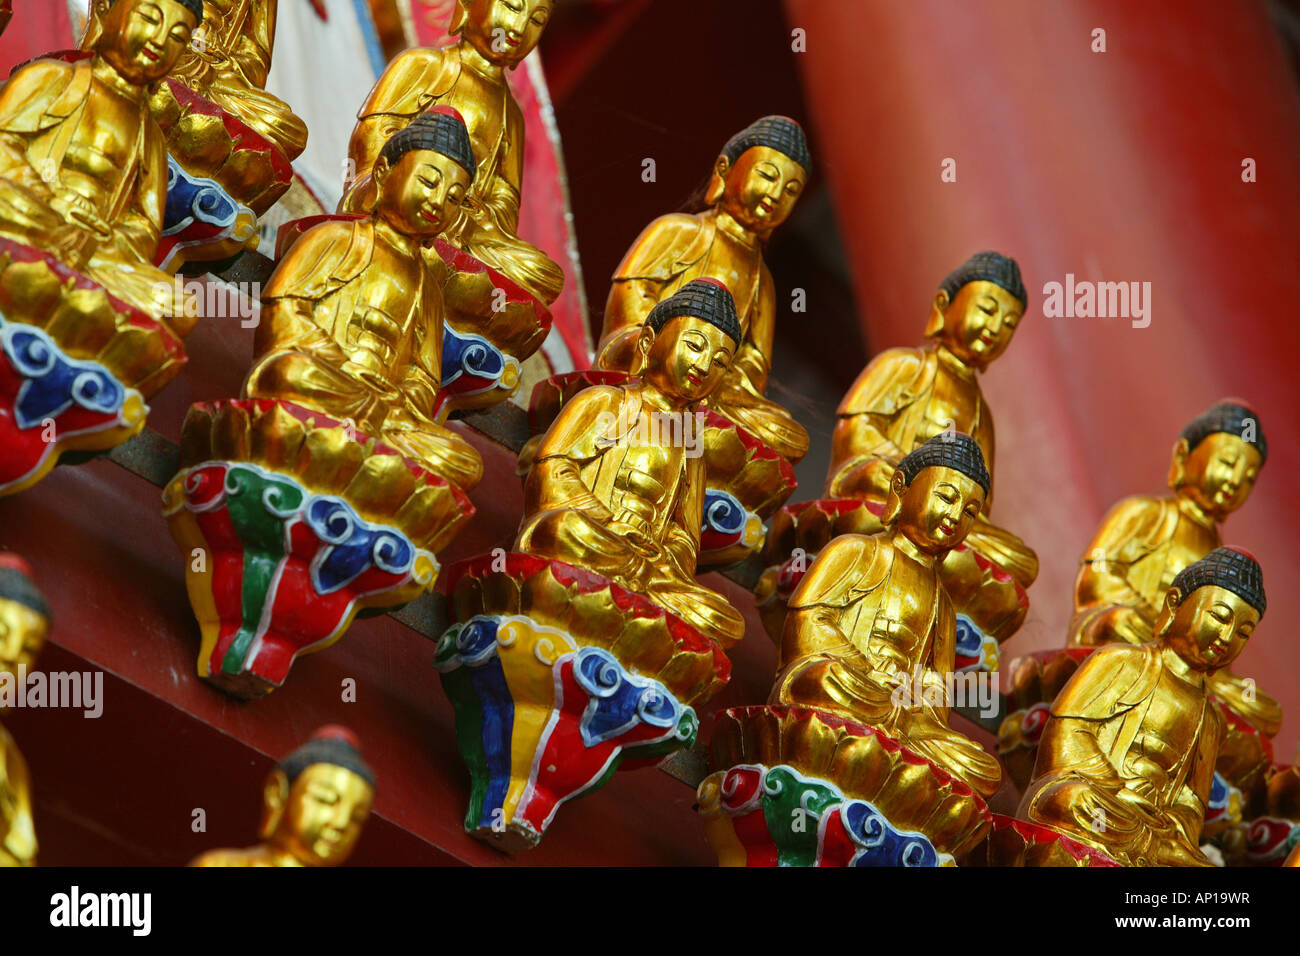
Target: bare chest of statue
[[481, 102], [734, 263], [104, 145], [953, 405], [646, 475], [889, 624], [377, 315], [1160, 749], [1153, 575]]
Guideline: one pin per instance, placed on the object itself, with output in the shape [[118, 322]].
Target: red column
[[1123, 165]]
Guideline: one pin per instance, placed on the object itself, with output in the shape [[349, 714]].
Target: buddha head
[[760, 174], [142, 39], [503, 32], [937, 491], [688, 341], [24, 616], [1218, 457], [978, 307], [1211, 609], [316, 800], [424, 172]]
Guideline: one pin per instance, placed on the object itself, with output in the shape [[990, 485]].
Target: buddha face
[[22, 633], [503, 32], [421, 195], [978, 323], [143, 39], [687, 359], [1218, 474], [1208, 628], [322, 817], [936, 511], [760, 191]]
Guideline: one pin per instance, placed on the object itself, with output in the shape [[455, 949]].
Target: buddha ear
[[645, 340], [275, 797], [458, 15], [1168, 608], [94, 24], [718, 181], [934, 325], [1178, 464], [894, 500]]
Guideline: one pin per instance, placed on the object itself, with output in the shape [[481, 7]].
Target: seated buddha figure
[[1126, 760], [906, 396], [470, 76], [24, 622], [228, 63], [615, 487], [352, 318], [871, 634], [314, 804], [83, 166], [1144, 542], [756, 182]]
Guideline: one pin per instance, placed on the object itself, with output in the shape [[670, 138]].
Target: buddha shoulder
[[851, 566], [587, 424], [889, 382], [412, 77], [324, 258], [664, 246], [1137, 525], [1112, 679], [232, 858], [34, 88]]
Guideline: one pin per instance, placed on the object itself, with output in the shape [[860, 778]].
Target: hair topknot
[[1232, 418], [986, 266], [332, 745], [706, 299], [948, 450], [442, 130], [1228, 568], [777, 132]]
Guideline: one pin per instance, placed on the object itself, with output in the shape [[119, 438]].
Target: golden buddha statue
[[228, 63], [1144, 542], [906, 396], [871, 633], [83, 167], [1126, 761], [314, 804], [470, 76], [24, 622], [615, 487], [756, 181], [352, 318]]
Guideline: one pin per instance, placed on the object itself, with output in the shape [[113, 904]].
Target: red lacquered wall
[[1117, 166]]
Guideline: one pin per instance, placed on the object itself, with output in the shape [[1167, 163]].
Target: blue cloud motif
[[723, 513], [1219, 793], [970, 639], [352, 545], [52, 381], [617, 700], [477, 639], [882, 844], [191, 199], [472, 355]]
